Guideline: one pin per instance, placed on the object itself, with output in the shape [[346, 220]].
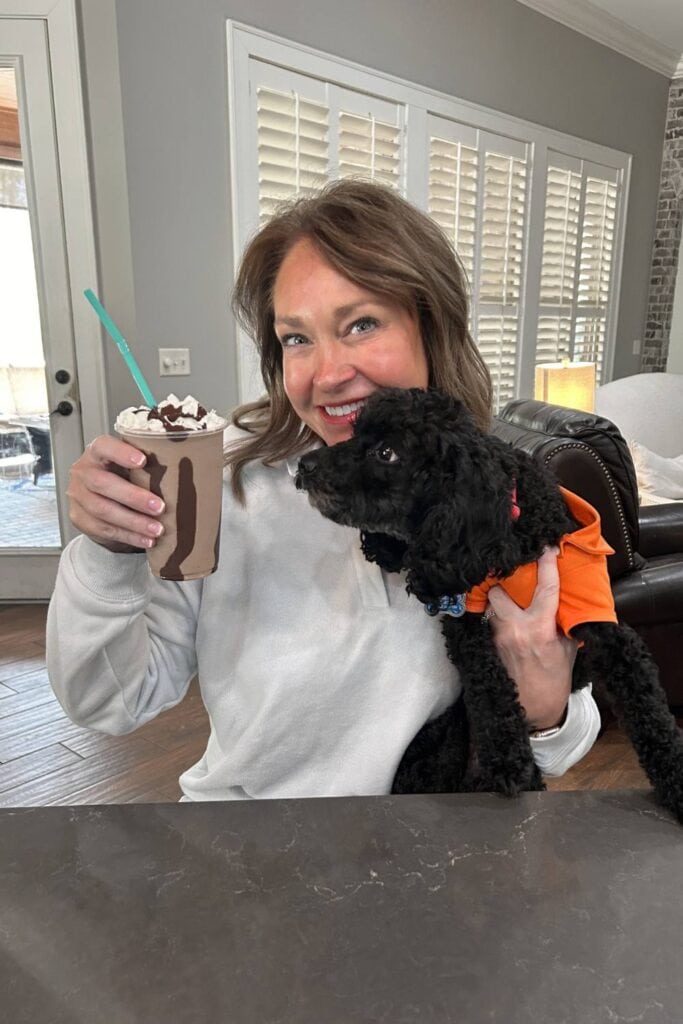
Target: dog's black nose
[[305, 470]]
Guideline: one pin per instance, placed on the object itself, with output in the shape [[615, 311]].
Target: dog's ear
[[388, 552], [468, 534], [442, 416]]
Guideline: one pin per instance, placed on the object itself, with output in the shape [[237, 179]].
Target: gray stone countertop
[[557, 908]]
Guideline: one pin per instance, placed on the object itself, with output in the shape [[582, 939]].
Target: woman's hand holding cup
[[105, 505]]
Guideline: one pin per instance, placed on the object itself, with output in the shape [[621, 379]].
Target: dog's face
[[384, 479], [429, 492]]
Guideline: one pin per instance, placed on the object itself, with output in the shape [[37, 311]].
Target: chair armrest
[[661, 529], [587, 455]]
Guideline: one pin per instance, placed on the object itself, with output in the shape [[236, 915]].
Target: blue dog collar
[[447, 605]]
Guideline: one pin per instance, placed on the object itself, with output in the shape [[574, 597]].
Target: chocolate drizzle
[[156, 473], [217, 545], [169, 413], [186, 522]]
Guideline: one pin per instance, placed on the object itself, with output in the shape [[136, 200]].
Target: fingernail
[[137, 460], [148, 541], [155, 505], [155, 528]]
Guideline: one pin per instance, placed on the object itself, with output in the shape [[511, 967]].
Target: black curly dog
[[431, 496]]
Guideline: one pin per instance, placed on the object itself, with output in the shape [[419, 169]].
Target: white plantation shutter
[[502, 261], [292, 136], [502, 238], [367, 137], [452, 197], [497, 338], [369, 148], [477, 195], [577, 260], [309, 132], [595, 266], [292, 148], [559, 260]]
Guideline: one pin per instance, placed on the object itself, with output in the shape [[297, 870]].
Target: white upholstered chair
[[648, 408]]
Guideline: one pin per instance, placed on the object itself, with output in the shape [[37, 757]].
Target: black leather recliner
[[588, 455]]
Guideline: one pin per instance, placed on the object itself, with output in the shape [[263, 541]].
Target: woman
[[316, 668]]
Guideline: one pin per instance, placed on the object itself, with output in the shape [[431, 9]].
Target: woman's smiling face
[[340, 343]]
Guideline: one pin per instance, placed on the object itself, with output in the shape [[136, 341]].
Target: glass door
[[28, 501], [40, 423]]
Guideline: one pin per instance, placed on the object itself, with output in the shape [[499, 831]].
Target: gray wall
[[174, 190]]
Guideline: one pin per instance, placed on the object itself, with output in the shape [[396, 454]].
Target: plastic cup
[[185, 470]]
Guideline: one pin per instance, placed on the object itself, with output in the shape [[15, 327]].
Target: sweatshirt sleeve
[[556, 754], [120, 643]]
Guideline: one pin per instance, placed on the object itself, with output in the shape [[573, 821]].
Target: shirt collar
[[588, 538]]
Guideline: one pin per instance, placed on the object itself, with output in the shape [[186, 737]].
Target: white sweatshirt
[[315, 667]]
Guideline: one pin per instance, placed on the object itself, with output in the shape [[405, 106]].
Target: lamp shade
[[569, 384]]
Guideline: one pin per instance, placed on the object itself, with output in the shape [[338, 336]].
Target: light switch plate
[[174, 362]]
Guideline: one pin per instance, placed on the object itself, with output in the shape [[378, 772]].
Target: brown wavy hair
[[378, 240]]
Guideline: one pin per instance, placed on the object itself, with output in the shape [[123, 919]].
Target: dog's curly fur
[[431, 495]]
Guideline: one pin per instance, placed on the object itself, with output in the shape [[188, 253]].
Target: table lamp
[[569, 384]]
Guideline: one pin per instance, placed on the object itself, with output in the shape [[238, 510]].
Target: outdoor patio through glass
[[28, 506]]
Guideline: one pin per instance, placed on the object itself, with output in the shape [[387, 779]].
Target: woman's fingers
[[535, 654], [107, 483], [501, 605], [104, 504], [547, 594], [109, 535], [543, 607], [106, 449], [111, 524]]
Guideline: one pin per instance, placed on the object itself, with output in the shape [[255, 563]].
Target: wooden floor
[[45, 759]]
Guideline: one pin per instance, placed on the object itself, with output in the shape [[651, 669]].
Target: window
[[308, 132], [578, 256], [478, 196], [537, 218]]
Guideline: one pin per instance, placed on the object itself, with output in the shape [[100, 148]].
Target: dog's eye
[[384, 453]]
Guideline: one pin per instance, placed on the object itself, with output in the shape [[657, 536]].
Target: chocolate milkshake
[[184, 448]]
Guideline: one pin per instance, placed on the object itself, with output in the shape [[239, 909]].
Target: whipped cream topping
[[169, 416]]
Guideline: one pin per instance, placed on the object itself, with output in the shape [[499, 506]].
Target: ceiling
[[649, 31], [662, 20]]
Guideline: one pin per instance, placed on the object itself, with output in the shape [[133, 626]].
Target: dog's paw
[[671, 797], [505, 783]]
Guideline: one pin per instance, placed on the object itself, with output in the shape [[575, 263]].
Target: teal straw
[[122, 346]]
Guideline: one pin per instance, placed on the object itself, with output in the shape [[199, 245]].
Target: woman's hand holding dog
[[105, 505], [534, 653]]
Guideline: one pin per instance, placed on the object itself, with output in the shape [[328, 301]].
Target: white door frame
[[59, 18], [62, 35]]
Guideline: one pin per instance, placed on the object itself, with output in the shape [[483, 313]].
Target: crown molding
[[604, 28]]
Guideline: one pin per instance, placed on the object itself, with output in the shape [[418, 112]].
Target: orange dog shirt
[[585, 591]]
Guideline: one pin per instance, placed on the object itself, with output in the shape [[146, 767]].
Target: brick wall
[[667, 242]]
